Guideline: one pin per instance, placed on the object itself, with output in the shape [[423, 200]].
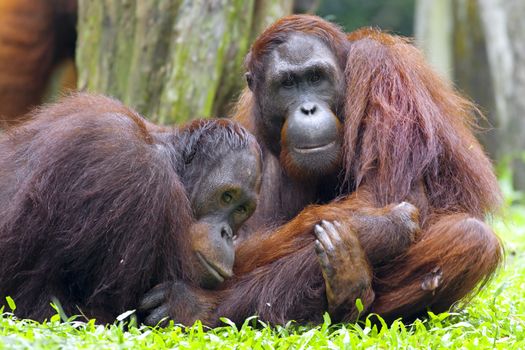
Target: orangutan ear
[[249, 80]]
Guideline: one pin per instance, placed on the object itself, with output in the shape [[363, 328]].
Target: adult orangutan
[[98, 206], [354, 123]]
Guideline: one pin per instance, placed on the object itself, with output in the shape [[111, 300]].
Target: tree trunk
[[487, 55], [451, 35], [472, 72], [266, 12], [505, 38], [433, 32], [172, 60]]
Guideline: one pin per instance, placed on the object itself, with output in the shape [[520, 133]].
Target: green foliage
[[504, 171], [495, 318], [395, 16], [11, 303]]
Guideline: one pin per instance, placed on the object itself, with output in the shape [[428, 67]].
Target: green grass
[[495, 318]]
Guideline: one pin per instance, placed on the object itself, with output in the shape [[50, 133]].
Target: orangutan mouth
[[219, 273], [314, 149]]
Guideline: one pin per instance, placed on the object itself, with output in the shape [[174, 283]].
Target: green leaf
[[125, 315], [327, 322], [11, 303], [359, 305]]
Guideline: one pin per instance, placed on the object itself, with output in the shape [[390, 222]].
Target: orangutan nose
[[308, 108]]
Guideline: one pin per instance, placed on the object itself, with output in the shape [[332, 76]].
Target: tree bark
[[471, 71], [450, 34], [433, 33], [487, 60], [172, 60], [266, 12], [504, 30]]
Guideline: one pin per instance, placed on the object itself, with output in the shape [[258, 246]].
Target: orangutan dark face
[[298, 98], [223, 198]]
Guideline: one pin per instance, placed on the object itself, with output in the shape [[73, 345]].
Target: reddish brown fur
[[94, 210], [428, 129], [35, 35], [278, 277], [260, 250], [408, 137]]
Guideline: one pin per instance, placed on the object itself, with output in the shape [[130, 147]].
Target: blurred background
[[174, 60]]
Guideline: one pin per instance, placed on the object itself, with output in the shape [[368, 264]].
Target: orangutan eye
[[241, 209], [226, 197], [315, 77], [289, 82]]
